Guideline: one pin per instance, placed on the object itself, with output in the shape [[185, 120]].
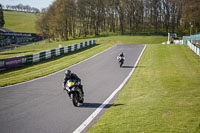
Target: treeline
[[66, 18], [23, 8], [2, 21]]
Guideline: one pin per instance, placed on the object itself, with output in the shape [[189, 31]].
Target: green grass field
[[163, 94], [20, 21]]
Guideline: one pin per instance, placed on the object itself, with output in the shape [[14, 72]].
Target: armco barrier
[[14, 62], [27, 59]]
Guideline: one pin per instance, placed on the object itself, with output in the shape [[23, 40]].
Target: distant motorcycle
[[121, 60], [74, 92]]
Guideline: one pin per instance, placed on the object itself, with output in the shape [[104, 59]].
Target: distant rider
[[121, 59], [71, 76], [121, 56]]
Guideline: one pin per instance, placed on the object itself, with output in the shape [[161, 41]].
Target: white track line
[[58, 71], [98, 110]]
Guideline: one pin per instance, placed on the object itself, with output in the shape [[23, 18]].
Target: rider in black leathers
[[121, 58], [121, 54], [69, 75]]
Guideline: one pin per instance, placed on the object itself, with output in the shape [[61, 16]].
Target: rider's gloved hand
[[79, 82], [64, 87]]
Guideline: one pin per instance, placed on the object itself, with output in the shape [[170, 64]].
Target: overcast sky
[[33, 3]]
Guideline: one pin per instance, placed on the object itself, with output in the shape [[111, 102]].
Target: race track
[[41, 106]]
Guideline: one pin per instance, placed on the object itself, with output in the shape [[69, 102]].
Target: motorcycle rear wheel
[[121, 64]]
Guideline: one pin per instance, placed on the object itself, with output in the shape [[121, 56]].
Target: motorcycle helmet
[[68, 73]]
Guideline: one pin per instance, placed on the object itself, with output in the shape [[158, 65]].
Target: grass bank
[[20, 21], [163, 95]]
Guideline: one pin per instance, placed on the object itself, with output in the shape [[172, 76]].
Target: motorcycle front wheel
[[74, 97], [81, 100]]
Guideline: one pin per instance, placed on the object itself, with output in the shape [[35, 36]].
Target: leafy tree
[[65, 18], [191, 15]]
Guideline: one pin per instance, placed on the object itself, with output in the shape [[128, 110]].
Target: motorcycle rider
[[121, 58], [69, 75], [121, 55]]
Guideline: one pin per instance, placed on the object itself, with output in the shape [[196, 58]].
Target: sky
[[33, 3]]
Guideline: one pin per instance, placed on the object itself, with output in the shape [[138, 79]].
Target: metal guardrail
[[28, 59]]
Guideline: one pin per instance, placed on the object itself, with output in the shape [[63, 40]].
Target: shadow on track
[[127, 66], [132, 66], [98, 105]]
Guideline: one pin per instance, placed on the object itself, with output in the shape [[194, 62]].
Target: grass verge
[[163, 95]]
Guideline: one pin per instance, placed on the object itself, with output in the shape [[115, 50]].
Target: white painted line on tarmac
[[58, 71], [98, 110]]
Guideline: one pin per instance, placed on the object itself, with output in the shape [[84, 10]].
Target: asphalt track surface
[[41, 106]]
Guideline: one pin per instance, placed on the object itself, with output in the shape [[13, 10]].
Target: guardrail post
[[47, 54], [42, 55], [61, 51], [57, 51], [29, 58], [36, 57], [53, 53], [66, 49], [70, 49]]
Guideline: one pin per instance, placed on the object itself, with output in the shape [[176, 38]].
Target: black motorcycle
[[74, 92]]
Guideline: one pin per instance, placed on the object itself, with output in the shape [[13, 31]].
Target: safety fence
[[28, 59], [195, 39], [194, 48], [191, 41]]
